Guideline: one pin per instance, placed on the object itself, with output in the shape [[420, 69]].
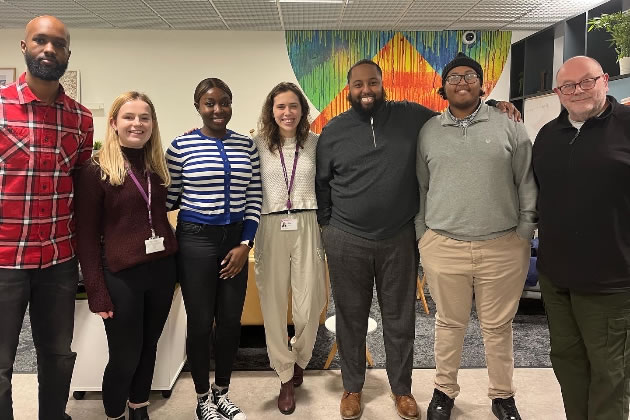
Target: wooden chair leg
[[421, 293], [331, 355], [368, 356]]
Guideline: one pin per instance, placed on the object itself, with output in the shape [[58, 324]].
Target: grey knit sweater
[[476, 183]]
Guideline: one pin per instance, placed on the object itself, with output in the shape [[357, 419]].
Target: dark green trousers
[[590, 351]]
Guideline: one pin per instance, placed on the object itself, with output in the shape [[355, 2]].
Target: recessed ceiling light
[[312, 1]]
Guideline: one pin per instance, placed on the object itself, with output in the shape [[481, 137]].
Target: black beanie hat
[[462, 59]]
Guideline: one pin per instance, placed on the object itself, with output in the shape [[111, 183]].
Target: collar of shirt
[[25, 94], [463, 122]]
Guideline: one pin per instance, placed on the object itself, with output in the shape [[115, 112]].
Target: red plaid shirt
[[40, 145]]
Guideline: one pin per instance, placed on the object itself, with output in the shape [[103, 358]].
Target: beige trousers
[[495, 271], [290, 261]]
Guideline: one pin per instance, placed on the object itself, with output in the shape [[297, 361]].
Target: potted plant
[[96, 146], [618, 26]]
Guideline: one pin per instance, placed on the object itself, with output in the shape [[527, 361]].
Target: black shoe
[[225, 407], [206, 409], [440, 406], [505, 409], [138, 413]]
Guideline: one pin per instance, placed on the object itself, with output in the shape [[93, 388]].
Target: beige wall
[[167, 65]]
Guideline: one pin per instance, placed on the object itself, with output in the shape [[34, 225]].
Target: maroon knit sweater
[[119, 215]]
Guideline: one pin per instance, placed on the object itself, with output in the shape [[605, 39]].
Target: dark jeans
[[210, 300], [590, 351], [142, 297], [50, 293], [355, 264]]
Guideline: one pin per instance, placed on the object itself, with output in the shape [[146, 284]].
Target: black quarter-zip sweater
[[584, 201], [366, 178]]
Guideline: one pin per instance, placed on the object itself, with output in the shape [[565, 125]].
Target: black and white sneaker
[[505, 409], [226, 408], [206, 410]]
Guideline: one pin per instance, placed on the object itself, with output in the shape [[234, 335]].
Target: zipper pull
[[373, 135], [575, 137]]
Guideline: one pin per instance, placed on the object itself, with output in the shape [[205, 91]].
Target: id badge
[[288, 224], [155, 244]]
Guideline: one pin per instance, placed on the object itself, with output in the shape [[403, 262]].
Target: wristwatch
[[250, 244]]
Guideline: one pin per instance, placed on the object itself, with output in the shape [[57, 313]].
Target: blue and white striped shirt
[[215, 181]]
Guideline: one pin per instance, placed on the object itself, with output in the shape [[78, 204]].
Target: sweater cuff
[[526, 230], [101, 305], [249, 230], [421, 228]]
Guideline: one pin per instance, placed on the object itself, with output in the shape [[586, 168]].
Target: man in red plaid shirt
[[44, 136]]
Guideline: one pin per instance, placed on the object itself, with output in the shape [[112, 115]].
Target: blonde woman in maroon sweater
[[126, 247]]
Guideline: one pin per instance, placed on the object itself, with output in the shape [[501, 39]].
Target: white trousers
[[290, 261]]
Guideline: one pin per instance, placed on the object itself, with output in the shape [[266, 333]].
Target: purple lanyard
[[144, 195], [286, 178]]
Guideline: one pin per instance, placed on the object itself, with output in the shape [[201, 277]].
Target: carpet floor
[[531, 342]]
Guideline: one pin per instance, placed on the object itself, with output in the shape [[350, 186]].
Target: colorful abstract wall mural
[[412, 63]]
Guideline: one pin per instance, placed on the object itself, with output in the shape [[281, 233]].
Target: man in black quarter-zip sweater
[[582, 166], [367, 198]]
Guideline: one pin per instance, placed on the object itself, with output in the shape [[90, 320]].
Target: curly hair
[[267, 126]]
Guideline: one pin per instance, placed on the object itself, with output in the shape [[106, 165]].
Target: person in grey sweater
[[477, 216], [367, 198]]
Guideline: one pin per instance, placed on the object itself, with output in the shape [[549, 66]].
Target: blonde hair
[[110, 157]]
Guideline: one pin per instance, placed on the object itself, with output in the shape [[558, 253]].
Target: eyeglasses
[[585, 84], [469, 78]]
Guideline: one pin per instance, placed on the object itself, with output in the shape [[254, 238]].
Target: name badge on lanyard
[[289, 223], [154, 243]]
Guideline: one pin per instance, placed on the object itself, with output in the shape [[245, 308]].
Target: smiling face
[[215, 108], [366, 89], [582, 104], [46, 48], [133, 124], [287, 113], [463, 95]]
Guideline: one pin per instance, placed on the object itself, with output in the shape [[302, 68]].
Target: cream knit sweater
[[273, 183]]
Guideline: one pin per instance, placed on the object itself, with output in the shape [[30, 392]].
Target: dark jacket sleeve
[[88, 215], [323, 176]]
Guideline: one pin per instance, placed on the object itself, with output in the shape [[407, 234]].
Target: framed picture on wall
[[7, 75], [71, 82]]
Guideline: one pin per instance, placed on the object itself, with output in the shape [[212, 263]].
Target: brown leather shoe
[[406, 406], [350, 407], [286, 399], [298, 375]]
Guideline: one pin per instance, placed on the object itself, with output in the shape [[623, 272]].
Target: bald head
[[47, 24], [46, 48], [580, 63]]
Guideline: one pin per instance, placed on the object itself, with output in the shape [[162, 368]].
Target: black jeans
[[355, 264], [210, 300], [50, 292], [142, 297]]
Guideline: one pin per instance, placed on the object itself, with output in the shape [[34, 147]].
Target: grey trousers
[[355, 264]]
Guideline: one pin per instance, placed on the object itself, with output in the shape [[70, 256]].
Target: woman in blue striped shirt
[[216, 185]]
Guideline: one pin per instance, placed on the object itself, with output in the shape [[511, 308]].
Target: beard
[[355, 103], [40, 71]]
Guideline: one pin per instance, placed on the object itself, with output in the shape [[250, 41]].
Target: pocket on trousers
[[424, 238], [190, 228], [258, 255], [618, 345]]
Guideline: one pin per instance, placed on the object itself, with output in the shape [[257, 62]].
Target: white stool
[[331, 326]]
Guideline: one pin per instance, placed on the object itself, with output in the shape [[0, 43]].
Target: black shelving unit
[[597, 41], [531, 71]]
